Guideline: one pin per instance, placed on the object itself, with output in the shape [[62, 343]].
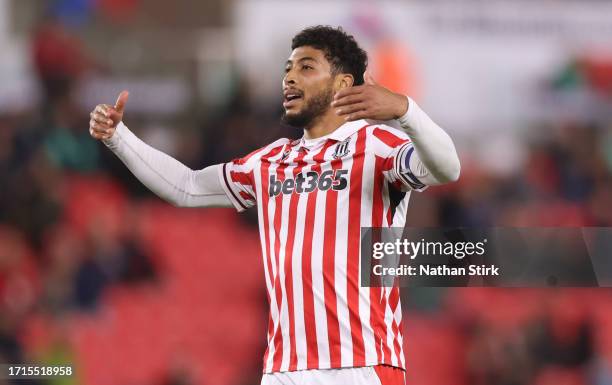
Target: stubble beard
[[313, 109]]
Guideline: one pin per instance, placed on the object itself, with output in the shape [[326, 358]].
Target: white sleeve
[[434, 160], [165, 176]]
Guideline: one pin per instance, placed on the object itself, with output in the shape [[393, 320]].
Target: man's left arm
[[435, 159]]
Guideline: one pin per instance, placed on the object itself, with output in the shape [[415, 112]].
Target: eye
[[307, 67]]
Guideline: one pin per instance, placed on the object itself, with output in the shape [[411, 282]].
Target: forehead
[[304, 52]]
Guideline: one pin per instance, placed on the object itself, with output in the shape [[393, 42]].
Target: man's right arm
[[165, 176]]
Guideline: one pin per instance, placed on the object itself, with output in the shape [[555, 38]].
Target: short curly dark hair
[[340, 49]]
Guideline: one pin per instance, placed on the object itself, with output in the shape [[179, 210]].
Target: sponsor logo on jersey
[[308, 182]]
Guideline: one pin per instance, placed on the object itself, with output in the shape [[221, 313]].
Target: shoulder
[[384, 136], [267, 150]]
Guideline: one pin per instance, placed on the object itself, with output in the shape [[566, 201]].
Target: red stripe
[[389, 375], [354, 239], [396, 344], [265, 165], [245, 196], [377, 297], [229, 187], [388, 138], [329, 271], [312, 354], [382, 326], [293, 201], [244, 159], [309, 314], [278, 335], [393, 302], [389, 163], [400, 331], [241, 177]]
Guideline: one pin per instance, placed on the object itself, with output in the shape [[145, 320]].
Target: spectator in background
[[60, 62], [65, 145]]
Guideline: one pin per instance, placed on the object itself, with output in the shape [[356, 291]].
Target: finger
[[348, 100], [114, 115], [107, 112], [102, 109], [352, 108], [121, 100], [96, 135], [349, 91], [99, 118], [369, 79], [99, 128]]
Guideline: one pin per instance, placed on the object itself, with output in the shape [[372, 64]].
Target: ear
[[344, 81]]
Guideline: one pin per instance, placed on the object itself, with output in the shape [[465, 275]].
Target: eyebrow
[[301, 60]]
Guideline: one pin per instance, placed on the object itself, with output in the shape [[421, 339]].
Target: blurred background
[[98, 272]]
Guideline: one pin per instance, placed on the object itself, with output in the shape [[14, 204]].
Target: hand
[[369, 101], [105, 118]]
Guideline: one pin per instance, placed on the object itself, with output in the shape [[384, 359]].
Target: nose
[[289, 78]]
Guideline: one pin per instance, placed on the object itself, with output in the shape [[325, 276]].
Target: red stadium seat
[[204, 313]]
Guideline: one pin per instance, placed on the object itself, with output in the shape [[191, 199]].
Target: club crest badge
[[342, 149], [285, 155]]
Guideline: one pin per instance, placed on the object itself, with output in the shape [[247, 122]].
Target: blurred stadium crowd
[[96, 271]]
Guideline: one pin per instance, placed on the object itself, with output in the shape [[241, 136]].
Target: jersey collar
[[342, 132], [347, 129]]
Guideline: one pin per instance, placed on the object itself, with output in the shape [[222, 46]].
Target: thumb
[[367, 77], [121, 100]]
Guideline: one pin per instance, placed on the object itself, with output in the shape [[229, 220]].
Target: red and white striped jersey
[[313, 199]]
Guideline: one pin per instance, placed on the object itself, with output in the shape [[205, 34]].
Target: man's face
[[308, 86]]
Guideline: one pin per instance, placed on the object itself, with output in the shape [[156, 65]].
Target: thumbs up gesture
[[105, 118], [369, 101]]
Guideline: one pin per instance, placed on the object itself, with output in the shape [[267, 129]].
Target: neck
[[324, 124]]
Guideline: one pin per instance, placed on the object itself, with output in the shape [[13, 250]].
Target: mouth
[[292, 98]]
